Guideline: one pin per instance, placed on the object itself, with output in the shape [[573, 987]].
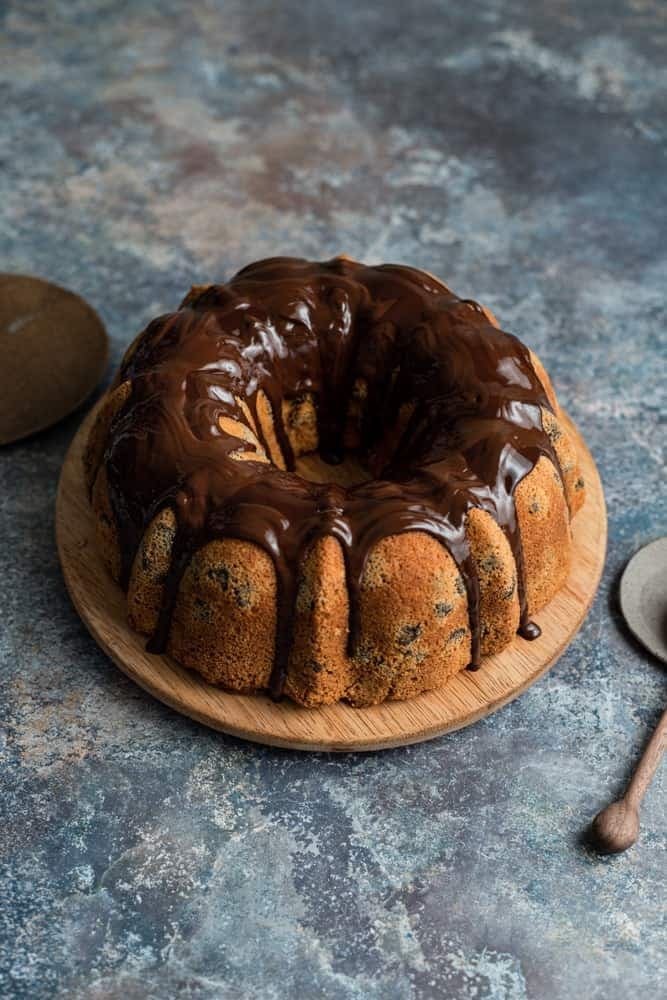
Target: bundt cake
[[259, 578]]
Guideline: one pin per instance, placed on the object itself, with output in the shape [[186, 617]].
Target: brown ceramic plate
[[53, 352]]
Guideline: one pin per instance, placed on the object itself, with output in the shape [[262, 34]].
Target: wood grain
[[617, 827], [466, 698]]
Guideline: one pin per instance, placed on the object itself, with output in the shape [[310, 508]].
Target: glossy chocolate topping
[[285, 327]]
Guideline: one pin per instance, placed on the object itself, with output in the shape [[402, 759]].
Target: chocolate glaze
[[530, 631], [286, 327]]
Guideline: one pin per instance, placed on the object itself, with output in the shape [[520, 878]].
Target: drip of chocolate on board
[[459, 399]]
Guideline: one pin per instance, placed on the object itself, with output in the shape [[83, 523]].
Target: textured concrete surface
[[518, 150]]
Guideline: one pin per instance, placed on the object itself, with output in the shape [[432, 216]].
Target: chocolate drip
[[530, 631], [286, 327]]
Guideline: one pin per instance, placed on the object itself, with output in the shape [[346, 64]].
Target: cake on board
[[455, 535]]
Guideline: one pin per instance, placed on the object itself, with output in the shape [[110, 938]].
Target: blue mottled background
[[517, 149]]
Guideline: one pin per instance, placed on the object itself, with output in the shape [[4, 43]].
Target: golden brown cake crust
[[417, 626]]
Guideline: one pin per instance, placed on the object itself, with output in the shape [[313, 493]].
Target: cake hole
[[350, 472]]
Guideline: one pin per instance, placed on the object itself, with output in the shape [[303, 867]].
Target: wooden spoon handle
[[648, 763]]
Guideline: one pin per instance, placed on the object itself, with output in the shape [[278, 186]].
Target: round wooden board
[[466, 698]]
